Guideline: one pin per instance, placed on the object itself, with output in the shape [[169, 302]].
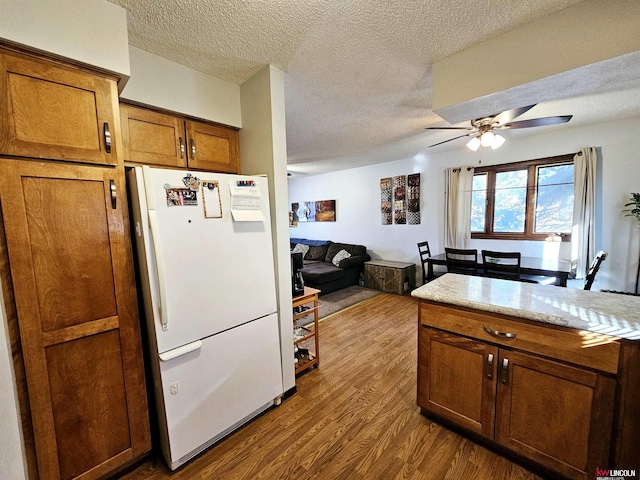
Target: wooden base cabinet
[[74, 294], [557, 414], [454, 381], [157, 138]]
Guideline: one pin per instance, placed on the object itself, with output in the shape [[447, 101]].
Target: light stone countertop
[[601, 312]]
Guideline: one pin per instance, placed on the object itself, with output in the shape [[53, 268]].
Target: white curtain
[[583, 246], [458, 206]]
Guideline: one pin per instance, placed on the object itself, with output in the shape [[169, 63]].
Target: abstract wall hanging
[[413, 199], [318, 211], [399, 200], [385, 201], [293, 215]]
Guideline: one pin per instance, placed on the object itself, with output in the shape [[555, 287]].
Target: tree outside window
[[530, 200]]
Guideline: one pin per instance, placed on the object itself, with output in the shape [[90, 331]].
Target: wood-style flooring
[[354, 417]]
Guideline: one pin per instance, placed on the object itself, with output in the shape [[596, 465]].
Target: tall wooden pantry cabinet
[[64, 216]]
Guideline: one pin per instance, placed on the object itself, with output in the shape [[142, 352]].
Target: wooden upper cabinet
[[52, 111], [152, 138], [74, 293], [213, 148], [157, 138]]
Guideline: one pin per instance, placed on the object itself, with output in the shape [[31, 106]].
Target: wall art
[[317, 211], [293, 215], [385, 201], [399, 200], [413, 199]]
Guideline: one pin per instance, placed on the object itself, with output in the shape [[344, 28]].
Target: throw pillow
[[300, 248], [341, 255]]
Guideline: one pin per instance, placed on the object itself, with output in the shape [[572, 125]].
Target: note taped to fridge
[[211, 199], [246, 201]]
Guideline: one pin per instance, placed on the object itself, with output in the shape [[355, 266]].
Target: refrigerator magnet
[[211, 199], [191, 182]]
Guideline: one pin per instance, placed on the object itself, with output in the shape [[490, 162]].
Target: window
[[526, 200]]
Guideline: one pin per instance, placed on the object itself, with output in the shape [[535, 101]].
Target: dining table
[[542, 266]]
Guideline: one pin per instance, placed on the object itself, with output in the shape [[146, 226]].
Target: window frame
[[530, 204]]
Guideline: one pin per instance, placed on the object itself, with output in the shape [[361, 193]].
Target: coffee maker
[[297, 282]]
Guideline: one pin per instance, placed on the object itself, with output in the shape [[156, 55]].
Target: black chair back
[[464, 261], [600, 257], [504, 265], [425, 253]]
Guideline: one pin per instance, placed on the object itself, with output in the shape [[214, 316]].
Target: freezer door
[[207, 273], [217, 385]]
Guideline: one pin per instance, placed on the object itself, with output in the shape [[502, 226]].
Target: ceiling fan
[[482, 129]]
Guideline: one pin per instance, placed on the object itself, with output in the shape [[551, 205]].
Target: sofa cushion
[[316, 273], [301, 248], [317, 252], [354, 250], [341, 255]]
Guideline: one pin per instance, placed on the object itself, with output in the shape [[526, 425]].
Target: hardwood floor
[[354, 417]]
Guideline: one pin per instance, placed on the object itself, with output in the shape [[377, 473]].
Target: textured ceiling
[[358, 73]]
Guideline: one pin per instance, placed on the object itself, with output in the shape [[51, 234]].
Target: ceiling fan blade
[[449, 128], [539, 122], [508, 115], [451, 139]]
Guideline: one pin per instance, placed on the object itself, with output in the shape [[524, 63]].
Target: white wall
[[263, 150], [159, 82], [357, 195], [91, 32]]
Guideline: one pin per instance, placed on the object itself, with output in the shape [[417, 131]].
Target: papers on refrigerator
[[246, 201], [211, 199]]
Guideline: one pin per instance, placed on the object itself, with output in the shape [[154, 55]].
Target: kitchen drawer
[[583, 348]]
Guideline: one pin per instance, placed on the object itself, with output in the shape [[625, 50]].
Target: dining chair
[[464, 261], [425, 254], [505, 265], [600, 257]]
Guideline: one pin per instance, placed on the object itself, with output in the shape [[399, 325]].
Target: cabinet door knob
[[181, 147], [193, 150], [505, 371], [490, 365], [107, 137], [497, 333]]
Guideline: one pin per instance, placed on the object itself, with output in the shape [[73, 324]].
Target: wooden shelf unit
[[306, 333]]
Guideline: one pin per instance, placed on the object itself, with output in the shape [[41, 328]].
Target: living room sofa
[[330, 266]]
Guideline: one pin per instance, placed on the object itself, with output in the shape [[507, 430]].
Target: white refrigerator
[[206, 269]]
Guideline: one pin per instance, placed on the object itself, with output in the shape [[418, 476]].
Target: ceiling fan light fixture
[[474, 144], [498, 140], [487, 138]]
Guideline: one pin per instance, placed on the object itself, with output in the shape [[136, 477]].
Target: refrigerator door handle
[[155, 241], [178, 352]]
